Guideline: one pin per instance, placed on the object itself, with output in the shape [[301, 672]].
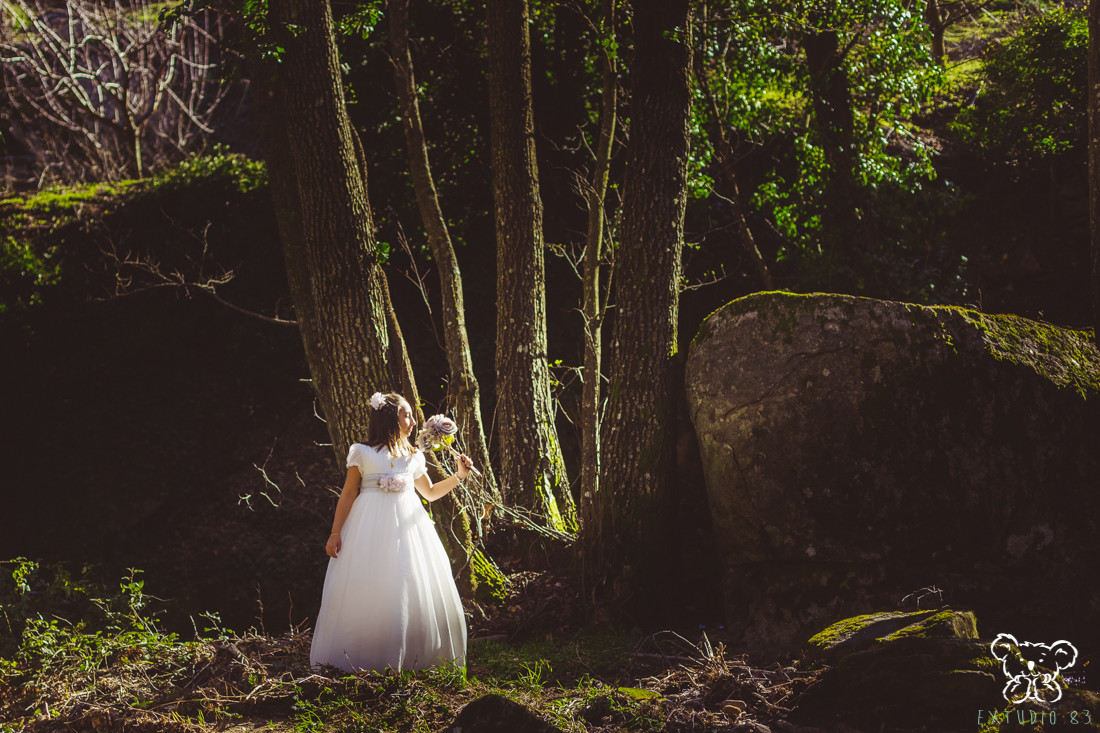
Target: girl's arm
[[438, 490], [343, 506]]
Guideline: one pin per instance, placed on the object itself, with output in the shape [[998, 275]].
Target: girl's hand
[[464, 462], [332, 547]]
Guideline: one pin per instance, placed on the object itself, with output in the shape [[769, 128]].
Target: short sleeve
[[355, 457], [419, 465]]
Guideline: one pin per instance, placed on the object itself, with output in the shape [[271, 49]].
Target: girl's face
[[405, 421]]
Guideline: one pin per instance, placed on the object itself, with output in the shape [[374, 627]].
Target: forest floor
[[133, 677]]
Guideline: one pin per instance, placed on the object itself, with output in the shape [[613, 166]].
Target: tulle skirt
[[389, 599]]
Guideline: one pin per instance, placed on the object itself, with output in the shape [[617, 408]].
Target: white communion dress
[[389, 599]]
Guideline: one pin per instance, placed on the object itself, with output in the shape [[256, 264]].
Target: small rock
[[751, 728], [497, 714], [596, 710], [734, 708]]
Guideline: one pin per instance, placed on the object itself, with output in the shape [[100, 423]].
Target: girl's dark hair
[[384, 429]]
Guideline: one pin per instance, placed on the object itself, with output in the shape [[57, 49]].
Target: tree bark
[[626, 555], [593, 308], [532, 469], [352, 343], [936, 26], [1094, 159], [831, 98], [463, 391]]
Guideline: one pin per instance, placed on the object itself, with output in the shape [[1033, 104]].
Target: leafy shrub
[[30, 592], [220, 166], [25, 272], [1035, 101]]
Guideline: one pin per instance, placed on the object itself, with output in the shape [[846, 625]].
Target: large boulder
[[856, 450]]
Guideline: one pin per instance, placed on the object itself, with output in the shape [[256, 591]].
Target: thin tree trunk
[[532, 468], [1094, 159], [592, 307], [626, 546], [462, 389], [725, 159], [744, 233]]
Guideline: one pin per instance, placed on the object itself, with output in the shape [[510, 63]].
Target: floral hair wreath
[[378, 400]]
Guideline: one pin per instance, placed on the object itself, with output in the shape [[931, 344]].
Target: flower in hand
[[438, 432]]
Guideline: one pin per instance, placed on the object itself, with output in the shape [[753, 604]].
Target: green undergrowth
[[45, 235], [50, 208], [108, 661], [78, 655]]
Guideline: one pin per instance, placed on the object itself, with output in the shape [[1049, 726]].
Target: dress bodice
[[382, 471]]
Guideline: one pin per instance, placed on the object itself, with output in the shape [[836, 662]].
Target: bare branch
[[135, 275], [100, 90]]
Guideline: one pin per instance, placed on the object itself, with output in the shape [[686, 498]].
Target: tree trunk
[[627, 557], [933, 18], [832, 104], [593, 307], [532, 469], [463, 391], [341, 300], [1094, 159]]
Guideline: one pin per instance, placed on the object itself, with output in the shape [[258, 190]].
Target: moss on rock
[[858, 633]]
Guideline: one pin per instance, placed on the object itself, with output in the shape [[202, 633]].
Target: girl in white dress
[[389, 599]]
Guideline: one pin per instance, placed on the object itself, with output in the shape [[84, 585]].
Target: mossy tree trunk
[[626, 556], [532, 471], [1094, 159], [463, 391]]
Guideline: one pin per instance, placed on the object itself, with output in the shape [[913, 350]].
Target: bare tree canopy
[[104, 90]]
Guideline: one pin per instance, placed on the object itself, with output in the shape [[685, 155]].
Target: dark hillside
[[134, 420]]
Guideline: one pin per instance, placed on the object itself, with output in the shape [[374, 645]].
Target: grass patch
[[594, 652]]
